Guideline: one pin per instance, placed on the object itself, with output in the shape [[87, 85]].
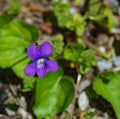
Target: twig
[[75, 95]]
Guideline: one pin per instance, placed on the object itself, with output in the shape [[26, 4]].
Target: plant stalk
[[75, 95]]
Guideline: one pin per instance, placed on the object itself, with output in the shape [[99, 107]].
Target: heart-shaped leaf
[[53, 94], [108, 86], [15, 37]]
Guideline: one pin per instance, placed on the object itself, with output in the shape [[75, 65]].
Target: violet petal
[[51, 65], [30, 69], [41, 72], [46, 50], [33, 52]]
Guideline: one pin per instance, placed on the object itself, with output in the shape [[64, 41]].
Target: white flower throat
[[40, 63]]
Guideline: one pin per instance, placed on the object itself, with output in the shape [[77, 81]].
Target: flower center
[[40, 63]]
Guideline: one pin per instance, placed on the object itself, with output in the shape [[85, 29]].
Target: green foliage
[[87, 60], [72, 21], [19, 71], [53, 94], [4, 19], [11, 50], [58, 44], [107, 85], [81, 42], [61, 5], [14, 7], [69, 17], [76, 24], [15, 37], [72, 52], [94, 7], [77, 1], [17, 29], [103, 16], [12, 44], [109, 18], [34, 31]]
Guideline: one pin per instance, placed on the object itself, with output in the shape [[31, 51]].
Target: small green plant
[[43, 64]]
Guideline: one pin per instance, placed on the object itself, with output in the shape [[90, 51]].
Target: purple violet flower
[[40, 64]]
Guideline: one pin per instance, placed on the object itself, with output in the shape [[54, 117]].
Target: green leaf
[[4, 19], [53, 94], [107, 85], [81, 42], [109, 16], [14, 7], [72, 21], [76, 24], [94, 7], [34, 31], [29, 83], [72, 52], [58, 44], [78, 1], [14, 39], [105, 17], [86, 60], [62, 22], [61, 5], [12, 50], [19, 71], [16, 29]]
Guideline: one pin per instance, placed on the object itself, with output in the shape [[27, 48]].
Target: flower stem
[[75, 95]]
